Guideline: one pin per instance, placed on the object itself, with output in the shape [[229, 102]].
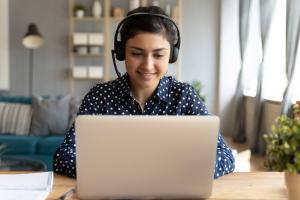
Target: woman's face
[[146, 58]]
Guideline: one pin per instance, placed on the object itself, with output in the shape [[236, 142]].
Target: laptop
[[130, 157]]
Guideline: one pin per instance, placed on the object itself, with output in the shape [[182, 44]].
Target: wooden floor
[[245, 160]]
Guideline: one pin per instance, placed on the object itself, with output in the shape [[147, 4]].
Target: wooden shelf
[[88, 55], [88, 18], [116, 19]]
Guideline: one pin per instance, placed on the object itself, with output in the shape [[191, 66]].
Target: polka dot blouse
[[115, 98]]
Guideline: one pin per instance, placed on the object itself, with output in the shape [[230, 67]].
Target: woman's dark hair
[[148, 23]]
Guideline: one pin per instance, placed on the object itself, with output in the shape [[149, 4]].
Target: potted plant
[[283, 153], [79, 10], [296, 111], [197, 85]]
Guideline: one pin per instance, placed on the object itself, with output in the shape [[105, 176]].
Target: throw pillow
[[15, 118], [3, 93], [75, 103], [50, 116]]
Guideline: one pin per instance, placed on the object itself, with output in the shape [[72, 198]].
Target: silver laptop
[[145, 156]]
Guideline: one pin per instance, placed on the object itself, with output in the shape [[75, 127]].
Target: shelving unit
[[106, 25]]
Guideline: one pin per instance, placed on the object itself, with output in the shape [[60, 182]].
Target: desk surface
[[243, 185]]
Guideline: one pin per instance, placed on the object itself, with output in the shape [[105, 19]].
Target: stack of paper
[[26, 186]]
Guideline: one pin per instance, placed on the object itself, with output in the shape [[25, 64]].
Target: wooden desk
[[242, 186]]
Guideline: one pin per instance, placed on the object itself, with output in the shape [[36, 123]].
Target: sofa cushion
[[48, 145], [20, 144], [50, 116], [75, 103], [16, 99], [4, 92], [15, 118]]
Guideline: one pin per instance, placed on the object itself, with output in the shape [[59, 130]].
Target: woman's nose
[[148, 62]]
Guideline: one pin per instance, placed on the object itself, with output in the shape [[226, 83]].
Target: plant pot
[[79, 13], [292, 182]]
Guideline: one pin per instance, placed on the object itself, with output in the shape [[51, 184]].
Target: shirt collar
[[163, 88], [161, 92]]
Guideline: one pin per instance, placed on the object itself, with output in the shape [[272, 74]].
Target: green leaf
[[197, 85]]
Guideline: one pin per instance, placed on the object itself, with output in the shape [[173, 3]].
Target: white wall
[[4, 45], [51, 61], [200, 46]]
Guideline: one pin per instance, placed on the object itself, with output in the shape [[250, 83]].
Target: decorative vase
[[168, 9], [97, 9], [292, 182]]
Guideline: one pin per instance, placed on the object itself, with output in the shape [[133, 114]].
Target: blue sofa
[[30, 146], [33, 147]]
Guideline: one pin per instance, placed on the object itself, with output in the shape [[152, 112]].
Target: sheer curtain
[[292, 46], [266, 8], [239, 131], [269, 33]]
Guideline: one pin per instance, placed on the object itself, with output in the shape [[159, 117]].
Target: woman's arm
[[224, 159], [224, 163], [64, 161]]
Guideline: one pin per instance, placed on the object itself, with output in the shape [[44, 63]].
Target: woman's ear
[[120, 50], [173, 53]]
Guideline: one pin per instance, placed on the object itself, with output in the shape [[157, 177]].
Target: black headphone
[[119, 48]]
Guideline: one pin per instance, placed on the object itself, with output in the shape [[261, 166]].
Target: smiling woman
[[150, 40], [4, 46]]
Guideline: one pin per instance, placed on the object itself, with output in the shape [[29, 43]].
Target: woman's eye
[[158, 55], [136, 54]]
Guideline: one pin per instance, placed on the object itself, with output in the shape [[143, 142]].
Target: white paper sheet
[[31, 186]]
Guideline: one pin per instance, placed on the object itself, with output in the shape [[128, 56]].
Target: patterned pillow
[[15, 118]]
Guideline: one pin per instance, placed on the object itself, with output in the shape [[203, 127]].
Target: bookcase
[[91, 40]]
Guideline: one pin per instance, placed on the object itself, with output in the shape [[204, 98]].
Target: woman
[[148, 43]]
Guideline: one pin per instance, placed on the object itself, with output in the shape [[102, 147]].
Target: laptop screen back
[[145, 156]]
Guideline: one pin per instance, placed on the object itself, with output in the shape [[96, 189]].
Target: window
[[253, 52], [274, 75], [274, 78]]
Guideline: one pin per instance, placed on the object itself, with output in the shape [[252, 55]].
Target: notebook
[[129, 157], [26, 186]]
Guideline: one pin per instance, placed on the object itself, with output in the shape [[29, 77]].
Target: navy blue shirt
[[114, 98]]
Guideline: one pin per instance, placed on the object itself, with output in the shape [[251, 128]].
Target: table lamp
[[32, 40]]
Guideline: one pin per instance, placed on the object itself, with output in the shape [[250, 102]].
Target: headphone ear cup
[[173, 54], [120, 51]]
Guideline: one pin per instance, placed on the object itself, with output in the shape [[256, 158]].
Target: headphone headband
[[127, 18]]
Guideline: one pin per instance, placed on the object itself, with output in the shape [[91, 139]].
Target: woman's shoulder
[[109, 85], [178, 85]]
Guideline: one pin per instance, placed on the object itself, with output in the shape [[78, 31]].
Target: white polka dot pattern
[[114, 98]]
